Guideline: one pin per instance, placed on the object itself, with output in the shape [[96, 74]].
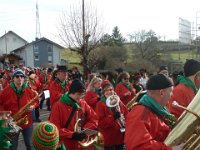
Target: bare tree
[[147, 44], [81, 29]]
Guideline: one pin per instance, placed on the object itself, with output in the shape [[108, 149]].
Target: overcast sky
[[162, 16]]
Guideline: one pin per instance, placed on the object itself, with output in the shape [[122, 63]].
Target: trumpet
[[113, 101]]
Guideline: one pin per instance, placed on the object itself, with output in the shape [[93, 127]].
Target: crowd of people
[[98, 108]]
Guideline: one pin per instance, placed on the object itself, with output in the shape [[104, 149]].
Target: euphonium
[[113, 101], [89, 141], [187, 129]]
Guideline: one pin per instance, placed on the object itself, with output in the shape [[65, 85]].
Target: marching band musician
[[149, 122], [66, 112], [186, 89], [108, 125], [46, 82], [93, 92], [59, 85], [124, 88], [16, 95], [35, 84]]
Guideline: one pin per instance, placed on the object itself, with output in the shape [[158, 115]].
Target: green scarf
[[98, 91], [4, 140], [19, 91], [160, 111], [69, 101], [187, 82], [126, 85], [62, 84], [45, 78], [103, 99]]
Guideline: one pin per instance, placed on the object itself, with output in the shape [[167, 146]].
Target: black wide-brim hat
[[62, 68]]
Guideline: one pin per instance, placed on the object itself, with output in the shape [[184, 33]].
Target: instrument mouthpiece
[[174, 103]]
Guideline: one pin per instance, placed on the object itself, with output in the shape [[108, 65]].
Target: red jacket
[[59, 116], [183, 95], [56, 91], [121, 90], [144, 130], [9, 101], [91, 98], [108, 126]]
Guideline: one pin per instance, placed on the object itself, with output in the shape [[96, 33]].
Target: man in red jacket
[[186, 89], [60, 85], [16, 95], [68, 110], [149, 122]]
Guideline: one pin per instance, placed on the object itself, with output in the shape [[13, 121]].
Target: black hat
[[76, 86], [31, 72], [163, 67], [158, 82], [49, 70], [191, 67], [61, 68]]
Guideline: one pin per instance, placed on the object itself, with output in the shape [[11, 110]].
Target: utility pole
[[38, 34]]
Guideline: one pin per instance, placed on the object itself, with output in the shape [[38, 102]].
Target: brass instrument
[[113, 101], [133, 101], [23, 110], [9, 122], [187, 129], [89, 141]]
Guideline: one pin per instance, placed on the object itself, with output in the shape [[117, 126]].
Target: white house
[[10, 41]]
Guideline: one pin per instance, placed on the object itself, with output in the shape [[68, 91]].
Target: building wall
[[56, 56], [10, 43], [29, 56]]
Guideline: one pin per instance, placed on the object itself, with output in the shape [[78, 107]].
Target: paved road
[[44, 114]]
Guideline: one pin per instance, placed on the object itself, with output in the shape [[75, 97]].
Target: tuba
[[187, 129], [89, 132], [113, 102]]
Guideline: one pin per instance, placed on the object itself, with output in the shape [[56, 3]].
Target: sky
[[161, 16]]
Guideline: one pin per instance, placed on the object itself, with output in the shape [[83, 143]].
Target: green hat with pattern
[[45, 136]]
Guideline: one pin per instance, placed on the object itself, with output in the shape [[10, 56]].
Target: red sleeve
[[91, 118], [91, 98]]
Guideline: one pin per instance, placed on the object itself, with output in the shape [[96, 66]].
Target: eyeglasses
[[126, 78], [21, 76]]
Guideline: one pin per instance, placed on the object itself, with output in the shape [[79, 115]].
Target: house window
[[35, 49], [50, 59], [49, 47], [36, 57]]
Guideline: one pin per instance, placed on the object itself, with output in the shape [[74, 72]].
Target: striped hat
[[45, 136]]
